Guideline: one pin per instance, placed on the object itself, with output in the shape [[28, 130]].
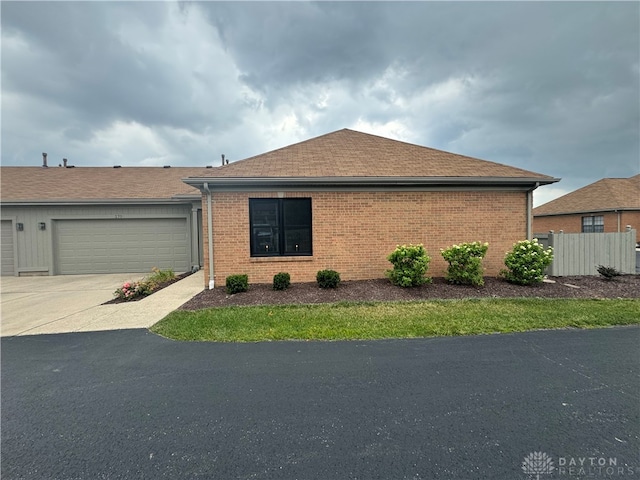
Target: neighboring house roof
[[608, 194], [94, 184], [347, 155]]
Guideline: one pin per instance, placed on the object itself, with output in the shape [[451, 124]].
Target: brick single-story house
[[64, 220], [344, 200], [608, 205]]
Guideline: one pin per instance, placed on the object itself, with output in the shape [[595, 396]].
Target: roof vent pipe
[[44, 160], [223, 159], [64, 162]]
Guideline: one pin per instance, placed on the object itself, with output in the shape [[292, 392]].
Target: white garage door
[[121, 246], [6, 247]]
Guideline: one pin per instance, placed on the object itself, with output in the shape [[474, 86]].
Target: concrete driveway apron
[[73, 303]]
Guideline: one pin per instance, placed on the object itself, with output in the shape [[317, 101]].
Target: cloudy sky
[[550, 87]]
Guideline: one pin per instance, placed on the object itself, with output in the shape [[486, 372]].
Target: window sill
[[306, 258]]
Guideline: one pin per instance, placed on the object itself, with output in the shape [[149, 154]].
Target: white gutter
[[209, 234], [255, 182]]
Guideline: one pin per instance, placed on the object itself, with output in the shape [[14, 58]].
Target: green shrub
[[160, 276], [465, 263], [237, 283], [281, 281], [608, 273], [328, 278], [410, 265], [526, 262]]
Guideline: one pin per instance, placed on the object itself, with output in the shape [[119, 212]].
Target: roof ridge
[[384, 139], [282, 148]]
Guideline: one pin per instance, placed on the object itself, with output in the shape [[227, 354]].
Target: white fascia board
[[362, 183]]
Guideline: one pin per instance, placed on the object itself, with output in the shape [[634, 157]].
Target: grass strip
[[377, 320]]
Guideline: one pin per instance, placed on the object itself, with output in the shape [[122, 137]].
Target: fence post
[[551, 268]]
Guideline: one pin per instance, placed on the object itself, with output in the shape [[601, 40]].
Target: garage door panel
[[7, 261], [113, 246]]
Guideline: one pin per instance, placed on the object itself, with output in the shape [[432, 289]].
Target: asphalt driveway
[[128, 404], [73, 303]]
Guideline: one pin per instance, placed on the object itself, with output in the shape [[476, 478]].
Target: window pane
[[297, 241], [297, 211], [264, 226], [297, 225], [599, 220], [266, 241]]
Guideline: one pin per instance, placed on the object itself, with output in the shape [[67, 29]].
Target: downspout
[[619, 214], [530, 211], [195, 234], [209, 234]]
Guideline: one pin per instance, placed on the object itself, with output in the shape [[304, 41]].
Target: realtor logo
[[537, 463]]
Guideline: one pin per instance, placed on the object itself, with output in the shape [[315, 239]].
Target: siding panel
[[6, 245]]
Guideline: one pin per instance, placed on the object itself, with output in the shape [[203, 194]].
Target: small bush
[[465, 263], [159, 276], [237, 283], [410, 265], [328, 278], [281, 281], [526, 262], [608, 273], [133, 290]]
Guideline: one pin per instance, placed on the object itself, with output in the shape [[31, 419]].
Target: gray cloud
[[552, 87]]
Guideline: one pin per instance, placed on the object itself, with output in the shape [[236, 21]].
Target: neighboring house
[[608, 205], [82, 220], [344, 200]]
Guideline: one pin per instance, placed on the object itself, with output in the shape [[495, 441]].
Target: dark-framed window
[[280, 226], [593, 224]]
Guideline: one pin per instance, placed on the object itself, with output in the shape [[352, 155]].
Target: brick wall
[[353, 232], [573, 223]]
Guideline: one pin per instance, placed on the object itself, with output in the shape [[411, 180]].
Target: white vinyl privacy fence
[[581, 253]]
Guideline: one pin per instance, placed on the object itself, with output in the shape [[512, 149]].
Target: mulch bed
[[627, 286], [157, 289]]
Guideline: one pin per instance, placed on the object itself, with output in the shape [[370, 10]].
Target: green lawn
[[376, 320]]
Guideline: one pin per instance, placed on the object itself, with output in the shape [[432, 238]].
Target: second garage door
[[121, 246]]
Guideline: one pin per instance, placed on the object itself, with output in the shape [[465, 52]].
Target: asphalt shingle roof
[[95, 183], [347, 153], [603, 195], [344, 153]]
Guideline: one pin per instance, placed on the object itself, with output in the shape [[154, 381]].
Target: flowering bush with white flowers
[[410, 264], [465, 263], [526, 262]]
